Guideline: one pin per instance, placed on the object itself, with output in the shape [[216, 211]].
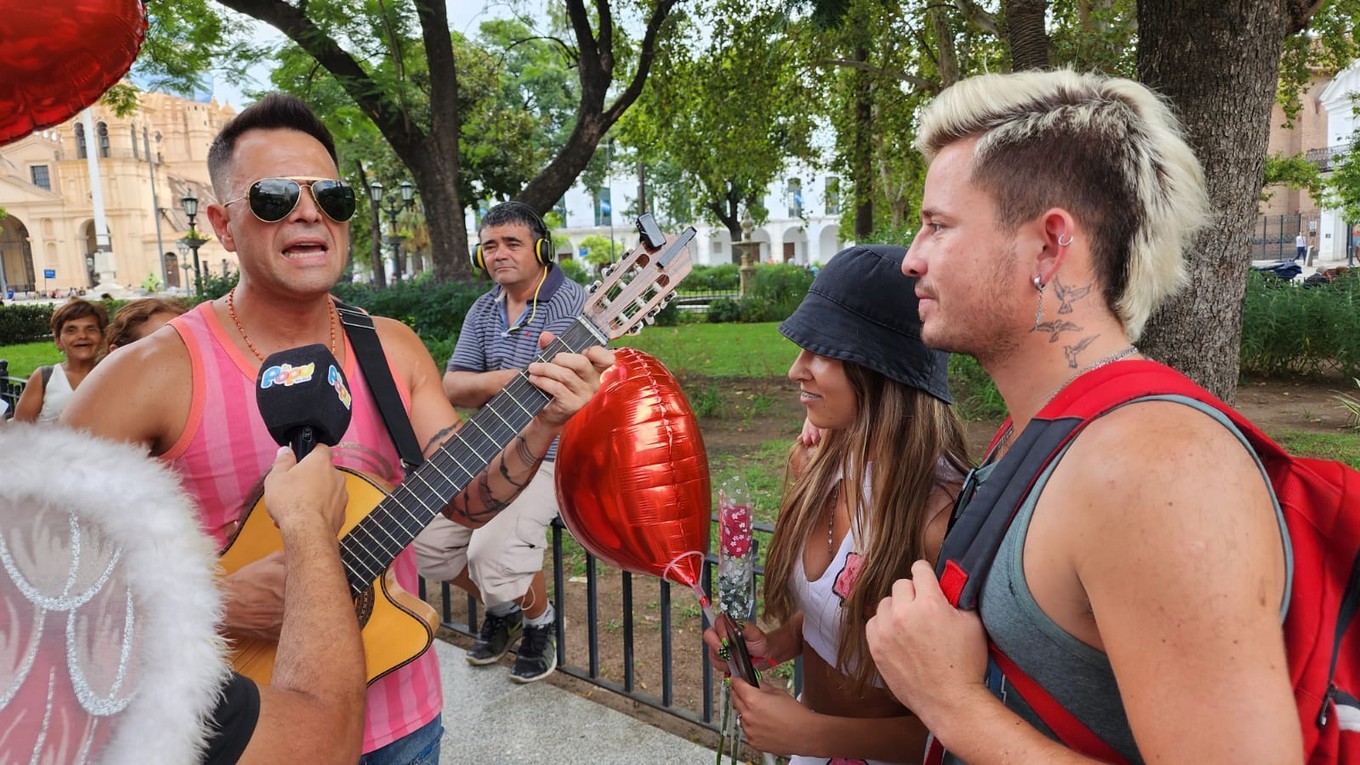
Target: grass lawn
[[23, 359], [717, 350], [1343, 447]]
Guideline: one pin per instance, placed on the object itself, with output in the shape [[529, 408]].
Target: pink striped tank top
[[226, 450]]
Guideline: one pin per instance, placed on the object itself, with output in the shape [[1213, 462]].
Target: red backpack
[[1320, 500]]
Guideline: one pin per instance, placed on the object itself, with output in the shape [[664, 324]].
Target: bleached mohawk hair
[[1108, 150]]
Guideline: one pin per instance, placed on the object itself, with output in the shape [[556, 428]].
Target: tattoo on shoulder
[[1071, 351]]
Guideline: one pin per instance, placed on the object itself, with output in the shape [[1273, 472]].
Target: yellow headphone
[[543, 245]]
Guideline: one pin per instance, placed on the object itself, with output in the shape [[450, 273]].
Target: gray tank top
[[1077, 676]]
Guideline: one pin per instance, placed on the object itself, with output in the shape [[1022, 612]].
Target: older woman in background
[[78, 331]]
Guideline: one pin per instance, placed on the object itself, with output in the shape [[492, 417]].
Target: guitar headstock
[[637, 287]]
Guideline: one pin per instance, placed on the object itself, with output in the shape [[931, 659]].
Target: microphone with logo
[[304, 398]]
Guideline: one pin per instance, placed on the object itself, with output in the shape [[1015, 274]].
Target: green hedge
[[1292, 329], [776, 290], [433, 309], [719, 278], [25, 323]]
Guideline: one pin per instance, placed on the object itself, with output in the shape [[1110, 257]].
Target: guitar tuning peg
[[594, 285], [636, 329]]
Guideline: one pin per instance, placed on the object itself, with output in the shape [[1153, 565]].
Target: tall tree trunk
[[593, 117], [1026, 33], [862, 150], [1218, 62], [437, 177], [729, 214], [947, 61]]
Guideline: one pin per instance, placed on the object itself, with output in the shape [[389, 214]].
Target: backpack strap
[[984, 514], [372, 361], [46, 375], [1350, 605], [1065, 725]]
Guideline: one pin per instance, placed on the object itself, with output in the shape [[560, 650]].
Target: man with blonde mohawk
[[1141, 583]]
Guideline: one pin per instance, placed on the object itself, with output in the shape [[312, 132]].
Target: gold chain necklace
[[231, 311]]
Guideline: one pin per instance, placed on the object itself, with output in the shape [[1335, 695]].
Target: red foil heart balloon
[[59, 56], [632, 474]]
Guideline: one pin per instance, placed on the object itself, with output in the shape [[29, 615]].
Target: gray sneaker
[[537, 655], [497, 635]]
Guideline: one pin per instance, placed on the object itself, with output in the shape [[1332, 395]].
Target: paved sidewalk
[[490, 720]]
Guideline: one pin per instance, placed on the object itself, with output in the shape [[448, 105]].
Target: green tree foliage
[[395, 61], [721, 119], [1293, 172], [1343, 186], [600, 251]]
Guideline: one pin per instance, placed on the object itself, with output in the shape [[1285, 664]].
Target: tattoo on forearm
[[441, 436], [525, 455], [491, 504], [505, 473], [1071, 351], [1068, 295]]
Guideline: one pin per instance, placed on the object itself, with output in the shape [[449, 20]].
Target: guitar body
[[396, 625]]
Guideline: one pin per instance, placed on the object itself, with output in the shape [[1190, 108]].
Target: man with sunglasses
[[187, 392], [1142, 581]]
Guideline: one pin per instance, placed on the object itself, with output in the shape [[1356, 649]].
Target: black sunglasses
[[272, 199]]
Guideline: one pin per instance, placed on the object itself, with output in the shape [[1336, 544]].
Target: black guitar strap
[[368, 353]]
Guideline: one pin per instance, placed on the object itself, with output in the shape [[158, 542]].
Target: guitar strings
[[493, 428]]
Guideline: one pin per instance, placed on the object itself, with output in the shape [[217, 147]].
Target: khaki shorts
[[501, 557]]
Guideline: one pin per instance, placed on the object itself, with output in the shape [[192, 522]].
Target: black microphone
[[304, 398]]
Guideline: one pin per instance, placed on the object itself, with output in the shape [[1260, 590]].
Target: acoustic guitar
[[379, 523]]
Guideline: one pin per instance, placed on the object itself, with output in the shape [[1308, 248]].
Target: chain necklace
[[831, 521], [231, 311], [1118, 355], [1122, 353]]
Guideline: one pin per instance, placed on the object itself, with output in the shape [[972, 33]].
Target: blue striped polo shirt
[[486, 342]]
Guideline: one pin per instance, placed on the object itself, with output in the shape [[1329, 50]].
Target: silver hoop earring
[[1061, 243], [1038, 284]]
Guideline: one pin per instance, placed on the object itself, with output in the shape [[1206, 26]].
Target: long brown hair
[[906, 434]]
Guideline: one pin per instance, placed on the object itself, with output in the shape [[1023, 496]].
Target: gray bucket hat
[[861, 308]]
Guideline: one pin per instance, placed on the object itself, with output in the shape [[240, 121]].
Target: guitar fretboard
[[376, 540]]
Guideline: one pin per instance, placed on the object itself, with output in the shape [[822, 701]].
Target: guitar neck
[[376, 540]]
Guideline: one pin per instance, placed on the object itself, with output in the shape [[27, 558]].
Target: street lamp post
[[192, 240], [404, 200], [183, 260]]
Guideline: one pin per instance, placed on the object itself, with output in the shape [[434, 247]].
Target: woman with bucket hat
[[859, 507]]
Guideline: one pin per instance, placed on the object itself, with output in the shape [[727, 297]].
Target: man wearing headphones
[[501, 563]]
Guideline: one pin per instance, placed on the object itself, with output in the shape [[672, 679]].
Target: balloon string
[[675, 563], [705, 604]]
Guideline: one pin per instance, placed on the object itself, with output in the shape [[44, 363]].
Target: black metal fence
[[609, 652], [698, 301], [1274, 235], [10, 388]]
